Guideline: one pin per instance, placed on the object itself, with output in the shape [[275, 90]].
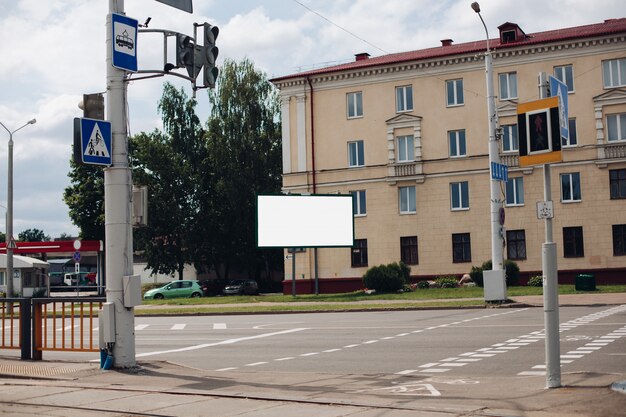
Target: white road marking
[[288, 358], [225, 369], [179, 326], [219, 326], [223, 342], [141, 326], [255, 364]]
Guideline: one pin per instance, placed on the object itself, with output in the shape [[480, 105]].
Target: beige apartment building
[[407, 135]]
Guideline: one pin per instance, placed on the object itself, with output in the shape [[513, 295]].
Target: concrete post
[[117, 210]]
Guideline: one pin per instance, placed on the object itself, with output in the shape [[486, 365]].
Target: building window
[[461, 247], [508, 85], [516, 244], [573, 135], [459, 195], [407, 199], [454, 92], [616, 124], [359, 253], [515, 191], [2, 281], [359, 206], [355, 105], [456, 140], [570, 187], [404, 98], [614, 73], [619, 239], [356, 154], [408, 250], [617, 181], [510, 141], [406, 148], [573, 242], [565, 74]]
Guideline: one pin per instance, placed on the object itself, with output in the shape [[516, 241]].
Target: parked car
[[241, 287], [212, 286], [175, 289]]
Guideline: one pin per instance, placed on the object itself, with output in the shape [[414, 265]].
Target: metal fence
[[34, 325]]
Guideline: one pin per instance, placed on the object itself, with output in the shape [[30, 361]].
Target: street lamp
[[9, 236], [497, 214]]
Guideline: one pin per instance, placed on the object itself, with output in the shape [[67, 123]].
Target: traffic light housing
[[93, 106], [185, 52], [210, 52]]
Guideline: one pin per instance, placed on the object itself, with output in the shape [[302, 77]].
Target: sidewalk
[[158, 388]]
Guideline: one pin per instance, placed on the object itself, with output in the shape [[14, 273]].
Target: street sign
[[124, 42], [12, 244], [539, 133], [499, 172], [95, 140], [559, 89], [76, 256], [545, 210], [184, 5]]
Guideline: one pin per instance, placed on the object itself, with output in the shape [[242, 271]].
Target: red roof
[[608, 27]]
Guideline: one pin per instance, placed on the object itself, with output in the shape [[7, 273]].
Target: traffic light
[[210, 52], [93, 106], [185, 52]]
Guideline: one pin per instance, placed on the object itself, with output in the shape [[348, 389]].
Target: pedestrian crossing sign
[[95, 142]]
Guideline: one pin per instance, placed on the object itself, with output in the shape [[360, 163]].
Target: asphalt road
[[462, 343]]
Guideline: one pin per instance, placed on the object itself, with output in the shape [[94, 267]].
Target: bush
[[476, 273], [384, 278], [446, 282], [423, 285], [511, 271], [536, 281]]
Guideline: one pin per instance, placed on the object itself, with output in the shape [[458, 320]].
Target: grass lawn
[[420, 294]]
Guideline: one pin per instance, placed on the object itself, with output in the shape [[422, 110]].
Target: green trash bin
[[585, 282]]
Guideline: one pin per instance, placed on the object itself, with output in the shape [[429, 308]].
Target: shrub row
[[387, 278]]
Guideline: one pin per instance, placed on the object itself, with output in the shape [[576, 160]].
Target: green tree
[[243, 140], [85, 200], [168, 164], [33, 235]]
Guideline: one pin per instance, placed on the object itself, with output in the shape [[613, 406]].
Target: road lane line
[[223, 342], [219, 326]]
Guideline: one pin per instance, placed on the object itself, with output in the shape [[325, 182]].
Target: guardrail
[[52, 324]]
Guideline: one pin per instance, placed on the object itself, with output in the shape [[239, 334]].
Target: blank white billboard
[[298, 221]]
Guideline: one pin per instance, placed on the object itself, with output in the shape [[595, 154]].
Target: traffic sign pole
[[117, 212], [550, 278]]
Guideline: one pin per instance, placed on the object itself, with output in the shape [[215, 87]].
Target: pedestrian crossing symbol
[[95, 141]]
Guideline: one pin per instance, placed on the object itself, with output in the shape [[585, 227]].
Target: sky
[[53, 51]]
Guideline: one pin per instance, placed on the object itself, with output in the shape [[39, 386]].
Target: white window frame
[[618, 134], [360, 203], [510, 78], [354, 100], [458, 136], [407, 199], [404, 99], [614, 73], [458, 188], [406, 145], [517, 197], [571, 122], [573, 178], [565, 74], [456, 88], [358, 145], [510, 136]]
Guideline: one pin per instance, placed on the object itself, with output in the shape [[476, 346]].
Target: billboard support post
[[293, 272]]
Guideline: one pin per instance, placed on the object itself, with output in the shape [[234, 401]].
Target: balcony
[[510, 159], [609, 151]]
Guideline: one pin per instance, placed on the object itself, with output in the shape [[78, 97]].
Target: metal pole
[[550, 278], [117, 212], [497, 238], [293, 272], [9, 218]]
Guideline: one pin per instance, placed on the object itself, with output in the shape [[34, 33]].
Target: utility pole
[[117, 209]]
